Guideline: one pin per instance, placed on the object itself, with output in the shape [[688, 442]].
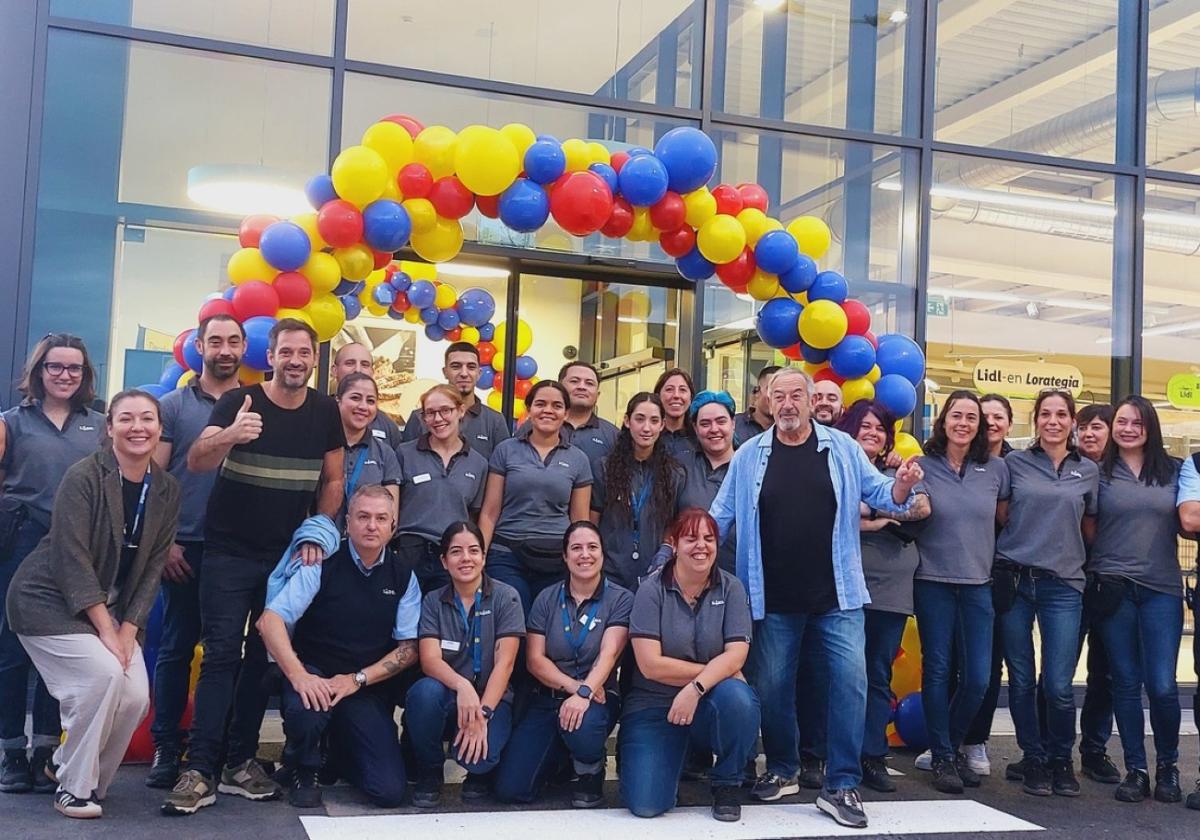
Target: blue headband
[[721, 398]]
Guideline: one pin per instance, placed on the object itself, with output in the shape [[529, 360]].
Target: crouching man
[[353, 627]]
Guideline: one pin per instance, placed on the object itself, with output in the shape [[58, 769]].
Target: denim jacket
[[854, 478]]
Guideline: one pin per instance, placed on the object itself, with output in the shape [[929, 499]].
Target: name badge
[[379, 433], [421, 479], [583, 620], [451, 645]]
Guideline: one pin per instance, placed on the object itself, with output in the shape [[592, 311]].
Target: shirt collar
[[526, 429], [668, 577], [475, 408], [448, 593], [194, 385], [357, 558], [593, 422], [32, 402], [601, 588], [824, 435], [1072, 453], [423, 444]]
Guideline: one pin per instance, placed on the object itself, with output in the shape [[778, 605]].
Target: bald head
[[352, 358], [826, 402]]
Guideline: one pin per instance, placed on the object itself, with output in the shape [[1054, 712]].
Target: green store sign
[[1183, 390]]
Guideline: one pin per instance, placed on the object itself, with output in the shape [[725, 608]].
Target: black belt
[[1032, 572]]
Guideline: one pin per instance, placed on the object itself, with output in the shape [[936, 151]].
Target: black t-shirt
[[797, 510], [131, 494], [266, 488]]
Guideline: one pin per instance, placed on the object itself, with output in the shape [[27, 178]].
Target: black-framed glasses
[[439, 413], [58, 369]]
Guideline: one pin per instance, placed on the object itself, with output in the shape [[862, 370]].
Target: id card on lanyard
[[473, 625], [131, 533], [576, 639], [636, 505], [355, 474]]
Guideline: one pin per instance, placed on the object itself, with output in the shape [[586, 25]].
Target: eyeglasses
[[439, 413], [58, 368]]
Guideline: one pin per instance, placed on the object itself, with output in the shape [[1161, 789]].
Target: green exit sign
[[937, 306]]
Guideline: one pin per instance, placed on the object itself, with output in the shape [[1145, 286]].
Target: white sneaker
[[924, 761], [977, 759]]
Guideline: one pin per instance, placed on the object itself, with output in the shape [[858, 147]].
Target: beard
[[789, 422]]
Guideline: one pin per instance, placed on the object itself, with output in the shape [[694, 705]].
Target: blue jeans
[[538, 744], [884, 632], [15, 665], [1057, 608], [176, 649], [773, 669], [812, 694], [505, 565], [1142, 639], [653, 750], [430, 719], [953, 618]]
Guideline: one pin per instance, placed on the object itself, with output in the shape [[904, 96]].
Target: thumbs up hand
[[247, 425]]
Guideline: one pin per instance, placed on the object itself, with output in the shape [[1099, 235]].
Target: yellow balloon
[[700, 206], [440, 244], [412, 315], [298, 314], [822, 324], [521, 136], [519, 410], [248, 264], [801, 298], [308, 223], [763, 285], [434, 147], [813, 369], [419, 270], [422, 214], [469, 335], [910, 642], [377, 309], [392, 142], [754, 222], [188, 376], [391, 190], [812, 235], [328, 315], [643, 229], [375, 278], [495, 400], [323, 271], [906, 446], [906, 674], [873, 376], [485, 160], [445, 297], [359, 175], [579, 156], [498, 361], [355, 261], [524, 337], [247, 376], [854, 390], [721, 239], [599, 153]]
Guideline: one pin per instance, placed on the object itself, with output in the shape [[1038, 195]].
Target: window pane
[[639, 50], [300, 25], [1029, 76], [1021, 288], [1171, 94], [824, 62]]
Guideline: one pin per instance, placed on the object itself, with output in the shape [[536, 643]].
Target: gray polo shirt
[[1045, 512], [616, 523], [610, 607], [379, 466], [185, 413], [694, 635], [680, 443], [37, 454], [888, 565], [481, 426], [433, 495], [385, 429], [700, 485], [1136, 530], [745, 427], [957, 542], [500, 616], [596, 437], [537, 493]]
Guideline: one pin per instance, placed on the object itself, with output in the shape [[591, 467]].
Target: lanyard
[[132, 533], [352, 481], [473, 629], [636, 506], [576, 641]]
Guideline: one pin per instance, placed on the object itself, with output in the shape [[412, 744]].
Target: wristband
[[701, 690]]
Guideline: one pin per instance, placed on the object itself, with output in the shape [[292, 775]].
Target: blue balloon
[[526, 367], [692, 265], [476, 307], [799, 278], [852, 357], [900, 355], [401, 282], [524, 206], [487, 331], [896, 394], [545, 161], [394, 315], [778, 322], [607, 173], [257, 329], [448, 319], [171, 375], [643, 180], [285, 245], [319, 190], [353, 307], [155, 390], [429, 314], [434, 333], [422, 294], [487, 377], [386, 225], [383, 294], [228, 293], [910, 722], [776, 251], [193, 357], [689, 156], [344, 287], [638, 151], [829, 285], [812, 355]]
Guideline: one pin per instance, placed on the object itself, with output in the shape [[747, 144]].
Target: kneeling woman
[[80, 601], [469, 634], [691, 633], [577, 631]]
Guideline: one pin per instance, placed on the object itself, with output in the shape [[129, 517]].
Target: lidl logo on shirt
[[481, 437], [564, 464], [370, 463], [981, 469], [717, 602], [1076, 474], [87, 428], [597, 441], [482, 613], [471, 475], [389, 592]]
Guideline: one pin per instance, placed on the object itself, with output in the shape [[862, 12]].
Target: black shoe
[[305, 793], [164, 769], [970, 778], [727, 803], [475, 786], [1036, 780], [72, 806], [1015, 772], [588, 790], [428, 792], [875, 775], [945, 776], [1062, 777], [1099, 768], [328, 774], [1135, 788], [845, 806], [1193, 800], [45, 774], [1166, 783], [812, 773], [15, 775], [697, 765], [285, 776]]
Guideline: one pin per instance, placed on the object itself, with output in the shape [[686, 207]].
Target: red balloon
[[400, 302], [521, 388], [827, 374], [754, 196], [254, 298], [382, 258], [450, 198], [216, 306], [858, 317], [793, 353], [729, 200], [489, 205], [410, 124], [339, 223], [870, 336], [669, 212], [251, 229], [487, 352], [454, 334], [581, 203], [620, 220], [180, 342], [293, 289], [414, 181], [617, 160], [676, 243], [739, 270]]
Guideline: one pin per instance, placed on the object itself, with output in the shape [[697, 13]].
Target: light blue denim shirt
[[854, 478]]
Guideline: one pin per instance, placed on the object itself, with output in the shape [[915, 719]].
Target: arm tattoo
[[917, 511], [402, 657]]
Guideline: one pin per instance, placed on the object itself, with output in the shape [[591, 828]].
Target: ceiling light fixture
[[458, 269], [240, 190], [898, 16]]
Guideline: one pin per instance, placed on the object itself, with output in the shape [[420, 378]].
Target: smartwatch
[[700, 689], [360, 679], [584, 691], [487, 712]]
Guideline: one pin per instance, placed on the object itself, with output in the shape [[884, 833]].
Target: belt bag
[[10, 523], [1103, 595], [416, 553], [1004, 587], [542, 555]]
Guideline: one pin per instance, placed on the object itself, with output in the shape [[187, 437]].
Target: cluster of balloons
[[907, 728]]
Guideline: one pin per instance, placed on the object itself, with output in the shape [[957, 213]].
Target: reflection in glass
[[1172, 86]]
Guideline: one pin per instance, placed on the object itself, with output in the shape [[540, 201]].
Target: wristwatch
[[584, 691], [700, 689], [487, 712], [360, 679]]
